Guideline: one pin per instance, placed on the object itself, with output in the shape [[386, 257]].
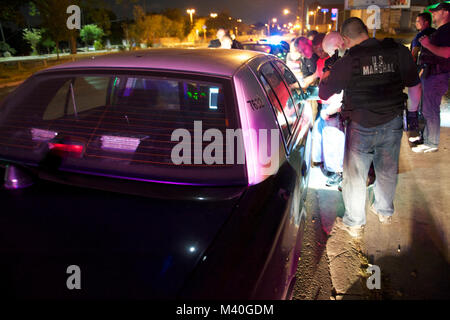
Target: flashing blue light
[[275, 40]]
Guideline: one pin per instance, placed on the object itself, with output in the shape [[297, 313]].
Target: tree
[[10, 11], [6, 50], [49, 44], [221, 21], [54, 19], [32, 36], [98, 12], [150, 28], [90, 33], [181, 24]]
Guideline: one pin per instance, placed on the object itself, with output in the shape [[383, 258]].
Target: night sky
[[250, 11]]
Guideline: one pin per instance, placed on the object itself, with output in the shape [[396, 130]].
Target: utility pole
[[301, 13]]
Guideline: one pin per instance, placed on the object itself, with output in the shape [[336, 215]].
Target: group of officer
[[372, 76]]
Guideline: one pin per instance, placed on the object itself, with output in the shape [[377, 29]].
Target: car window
[[281, 92], [94, 95], [281, 118], [124, 123], [293, 84]]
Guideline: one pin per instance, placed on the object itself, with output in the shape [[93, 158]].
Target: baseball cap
[[442, 6]]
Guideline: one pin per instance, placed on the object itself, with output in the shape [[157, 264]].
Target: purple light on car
[[250, 140], [137, 179], [128, 86], [118, 143], [42, 135]]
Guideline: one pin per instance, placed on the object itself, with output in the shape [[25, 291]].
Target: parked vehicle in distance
[[275, 46], [114, 168]]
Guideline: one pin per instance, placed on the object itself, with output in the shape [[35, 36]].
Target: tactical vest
[[435, 63], [376, 83]]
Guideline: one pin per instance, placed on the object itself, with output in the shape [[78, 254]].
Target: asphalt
[[413, 252]]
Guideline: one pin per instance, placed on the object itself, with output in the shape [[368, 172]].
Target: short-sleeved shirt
[[309, 65], [441, 37], [426, 32], [341, 75]]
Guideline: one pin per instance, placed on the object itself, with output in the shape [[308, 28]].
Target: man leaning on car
[[373, 75]]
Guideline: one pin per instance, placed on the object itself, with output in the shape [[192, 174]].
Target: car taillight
[[62, 149]]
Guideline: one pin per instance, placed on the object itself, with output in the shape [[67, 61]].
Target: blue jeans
[[328, 143], [433, 88], [380, 144]]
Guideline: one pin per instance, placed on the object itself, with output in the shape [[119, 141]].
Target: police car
[[274, 45], [161, 174]]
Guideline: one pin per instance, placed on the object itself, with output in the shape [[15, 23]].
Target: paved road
[[414, 252]]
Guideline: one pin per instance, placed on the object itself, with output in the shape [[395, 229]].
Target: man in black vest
[[373, 75], [435, 56]]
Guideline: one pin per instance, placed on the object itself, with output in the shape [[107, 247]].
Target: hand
[[425, 41], [325, 75], [324, 115]]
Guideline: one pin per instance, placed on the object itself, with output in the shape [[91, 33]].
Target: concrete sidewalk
[[412, 252]]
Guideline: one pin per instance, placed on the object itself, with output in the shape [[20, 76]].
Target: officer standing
[[373, 75], [436, 58]]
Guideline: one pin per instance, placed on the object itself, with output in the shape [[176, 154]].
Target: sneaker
[[334, 180], [414, 139], [382, 218], [355, 232], [424, 148]]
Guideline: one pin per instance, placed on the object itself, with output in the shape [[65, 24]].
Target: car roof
[[223, 62]]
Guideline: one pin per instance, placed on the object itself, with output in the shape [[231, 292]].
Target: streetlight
[[191, 12], [286, 12]]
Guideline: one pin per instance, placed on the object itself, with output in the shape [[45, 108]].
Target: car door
[[295, 129]]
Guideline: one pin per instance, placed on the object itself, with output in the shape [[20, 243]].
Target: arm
[[443, 52], [336, 80], [334, 105], [414, 95], [310, 80], [415, 53]]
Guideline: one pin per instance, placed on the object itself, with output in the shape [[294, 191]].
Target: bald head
[[332, 41]]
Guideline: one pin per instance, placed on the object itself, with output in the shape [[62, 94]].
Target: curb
[[10, 84]]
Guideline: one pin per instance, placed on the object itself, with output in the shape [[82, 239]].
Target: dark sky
[[250, 11]]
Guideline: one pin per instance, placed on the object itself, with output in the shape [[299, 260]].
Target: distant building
[[399, 19]]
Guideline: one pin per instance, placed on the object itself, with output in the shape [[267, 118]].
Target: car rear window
[[120, 124]]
